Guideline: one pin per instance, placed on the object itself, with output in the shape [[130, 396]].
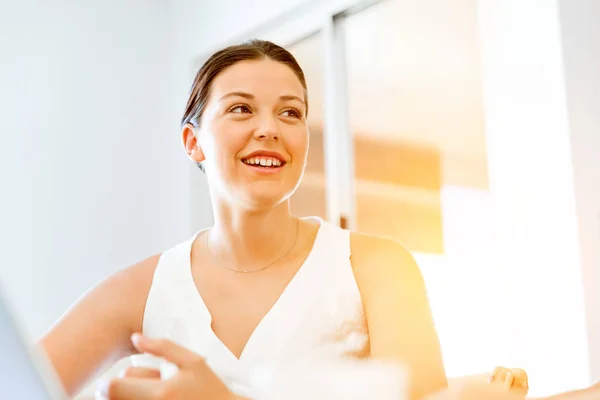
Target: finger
[[521, 378], [500, 377], [509, 378], [140, 372], [131, 389], [495, 374], [521, 381], [166, 349]]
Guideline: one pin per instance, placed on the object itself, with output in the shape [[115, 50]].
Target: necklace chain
[[245, 271]]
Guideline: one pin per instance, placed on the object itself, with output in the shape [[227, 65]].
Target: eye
[[293, 112], [239, 109]]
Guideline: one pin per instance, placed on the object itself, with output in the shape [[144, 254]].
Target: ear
[[190, 144]]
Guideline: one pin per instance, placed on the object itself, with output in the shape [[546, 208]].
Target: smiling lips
[[264, 160]]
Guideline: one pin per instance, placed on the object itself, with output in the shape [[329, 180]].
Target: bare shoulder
[[95, 331], [364, 244], [377, 257], [132, 280], [123, 292], [394, 297]]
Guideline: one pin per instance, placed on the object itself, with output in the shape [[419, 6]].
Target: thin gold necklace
[[245, 271]]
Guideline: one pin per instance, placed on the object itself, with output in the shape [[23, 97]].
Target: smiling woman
[[260, 98], [222, 60], [261, 288]]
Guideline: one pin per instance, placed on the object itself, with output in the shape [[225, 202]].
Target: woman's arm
[[95, 332], [398, 313]]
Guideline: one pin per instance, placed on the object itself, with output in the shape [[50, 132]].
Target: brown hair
[[222, 59]]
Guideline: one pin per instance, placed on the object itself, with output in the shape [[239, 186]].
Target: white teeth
[[263, 161]]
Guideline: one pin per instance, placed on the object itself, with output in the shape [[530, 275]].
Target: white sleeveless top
[[319, 314]]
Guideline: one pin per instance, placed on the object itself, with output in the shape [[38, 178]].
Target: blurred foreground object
[[341, 379]]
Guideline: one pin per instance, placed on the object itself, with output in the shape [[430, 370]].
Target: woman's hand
[[194, 380], [513, 379]]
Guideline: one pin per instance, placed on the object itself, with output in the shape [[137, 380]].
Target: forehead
[[258, 77]]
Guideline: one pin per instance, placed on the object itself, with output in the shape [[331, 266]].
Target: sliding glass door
[[416, 127], [416, 115]]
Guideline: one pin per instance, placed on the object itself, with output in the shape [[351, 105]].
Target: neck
[[252, 239]]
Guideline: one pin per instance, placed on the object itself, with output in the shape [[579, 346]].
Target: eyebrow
[[251, 97]]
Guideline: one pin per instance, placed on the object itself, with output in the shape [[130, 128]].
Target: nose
[[267, 128]]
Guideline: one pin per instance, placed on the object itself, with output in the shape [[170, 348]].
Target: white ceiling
[[413, 75]]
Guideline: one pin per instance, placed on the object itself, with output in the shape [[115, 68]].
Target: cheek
[[228, 139], [298, 144]]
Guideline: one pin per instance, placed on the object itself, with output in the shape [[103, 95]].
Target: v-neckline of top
[[294, 286]]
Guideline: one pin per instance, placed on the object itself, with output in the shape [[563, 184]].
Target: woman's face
[[253, 134]]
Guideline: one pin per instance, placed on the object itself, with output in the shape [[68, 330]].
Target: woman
[[260, 287]]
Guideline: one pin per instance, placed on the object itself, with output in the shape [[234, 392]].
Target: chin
[[265, 196]]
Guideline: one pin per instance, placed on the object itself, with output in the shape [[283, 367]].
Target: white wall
[[581, 48], [93, 176], [205, 26]]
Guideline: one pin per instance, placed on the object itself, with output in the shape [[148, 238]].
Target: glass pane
[[416, 116], [310, 198]]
